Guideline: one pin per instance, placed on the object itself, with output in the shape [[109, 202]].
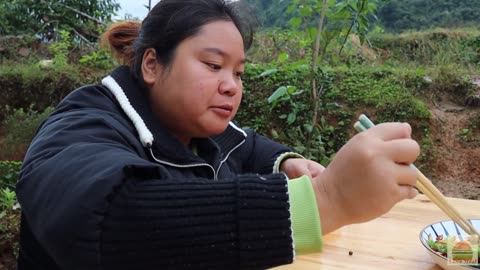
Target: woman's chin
[[217, 129]]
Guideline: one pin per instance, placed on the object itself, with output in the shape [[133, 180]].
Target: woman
[[147, 171]]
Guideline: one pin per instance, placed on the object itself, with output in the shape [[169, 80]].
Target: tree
[[272, 13], [311, 16], [82, 18]]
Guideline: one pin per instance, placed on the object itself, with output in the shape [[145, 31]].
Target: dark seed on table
[[350, 253]]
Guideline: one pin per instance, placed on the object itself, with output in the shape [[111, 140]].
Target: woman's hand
[[296, 167], [368, 176]]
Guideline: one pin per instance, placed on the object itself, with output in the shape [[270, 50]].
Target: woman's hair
[[168, 24]]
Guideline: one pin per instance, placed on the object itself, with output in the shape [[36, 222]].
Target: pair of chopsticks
[[426, 187]]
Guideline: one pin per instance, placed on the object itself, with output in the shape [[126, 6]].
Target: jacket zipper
[[215, 172], [226, 157]]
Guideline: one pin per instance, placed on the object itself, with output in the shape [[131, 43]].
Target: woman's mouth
[[223, 110]]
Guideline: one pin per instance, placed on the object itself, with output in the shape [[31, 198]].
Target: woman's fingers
[[296, 167], [315, 168], [371, 173], [404, 174], [391, 131], [403, 151], [408, 192]]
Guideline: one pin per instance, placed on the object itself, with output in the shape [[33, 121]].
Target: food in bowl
[[461, 250], [438, 237]]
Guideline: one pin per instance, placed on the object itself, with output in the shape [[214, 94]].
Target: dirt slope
[[457, 166]]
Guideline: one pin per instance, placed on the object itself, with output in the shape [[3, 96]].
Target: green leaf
[[274, 133], [291, 8], [362, 38], [282, 57], [306, 11], [312, 31], [268, 72], [291, 118], [291, 89], [299, 64], [308, 127], [420, 72], [335, 58], [296, 93], [295, 22], [280, 92], [299, 148]]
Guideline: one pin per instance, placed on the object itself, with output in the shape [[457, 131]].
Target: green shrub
[[98, 59], [9, 210], [385, 94], [9, 171], [24, 85], [59, 49], [20, 128], [9, 224], [8, 199]]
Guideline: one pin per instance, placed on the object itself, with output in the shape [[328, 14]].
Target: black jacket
[[104, 186]]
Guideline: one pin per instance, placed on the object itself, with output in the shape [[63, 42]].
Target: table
[[388, 242]]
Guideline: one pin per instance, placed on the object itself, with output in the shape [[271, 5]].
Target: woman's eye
[[239, 74], [214, 66]]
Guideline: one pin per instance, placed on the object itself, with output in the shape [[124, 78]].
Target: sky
[[135, 8]]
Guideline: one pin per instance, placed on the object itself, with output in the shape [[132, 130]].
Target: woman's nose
[[229, 85]]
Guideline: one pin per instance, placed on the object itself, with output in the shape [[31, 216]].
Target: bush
[[9, 171], [9, 211], [384, 94], [24, 85], [20, 128], [9, 237]]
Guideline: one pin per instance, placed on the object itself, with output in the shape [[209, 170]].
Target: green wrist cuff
[[282, 158], [307, 231]]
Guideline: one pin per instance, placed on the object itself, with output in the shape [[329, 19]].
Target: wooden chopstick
[[445, 207], [427, 188]]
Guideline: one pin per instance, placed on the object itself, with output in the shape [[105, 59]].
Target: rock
[[46, 63], [473, 100], [451, 108], [24, 52]]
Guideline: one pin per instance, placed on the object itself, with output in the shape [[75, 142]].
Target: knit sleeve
[[198, 224]]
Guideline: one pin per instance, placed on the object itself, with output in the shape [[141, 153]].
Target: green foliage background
[[393, 15], [46, 18]]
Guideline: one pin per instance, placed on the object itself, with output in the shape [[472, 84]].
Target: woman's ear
[[150, 66]]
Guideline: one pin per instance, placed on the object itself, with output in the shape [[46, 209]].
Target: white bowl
[[445, 228]]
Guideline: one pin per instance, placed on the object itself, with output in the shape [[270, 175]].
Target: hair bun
[[120, 38]]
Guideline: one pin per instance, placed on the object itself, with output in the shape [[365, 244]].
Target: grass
[[434, 47]]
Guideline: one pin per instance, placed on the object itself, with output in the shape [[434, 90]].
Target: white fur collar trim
[[146, 137]]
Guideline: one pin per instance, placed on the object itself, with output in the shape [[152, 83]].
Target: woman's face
[[200, 92]]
